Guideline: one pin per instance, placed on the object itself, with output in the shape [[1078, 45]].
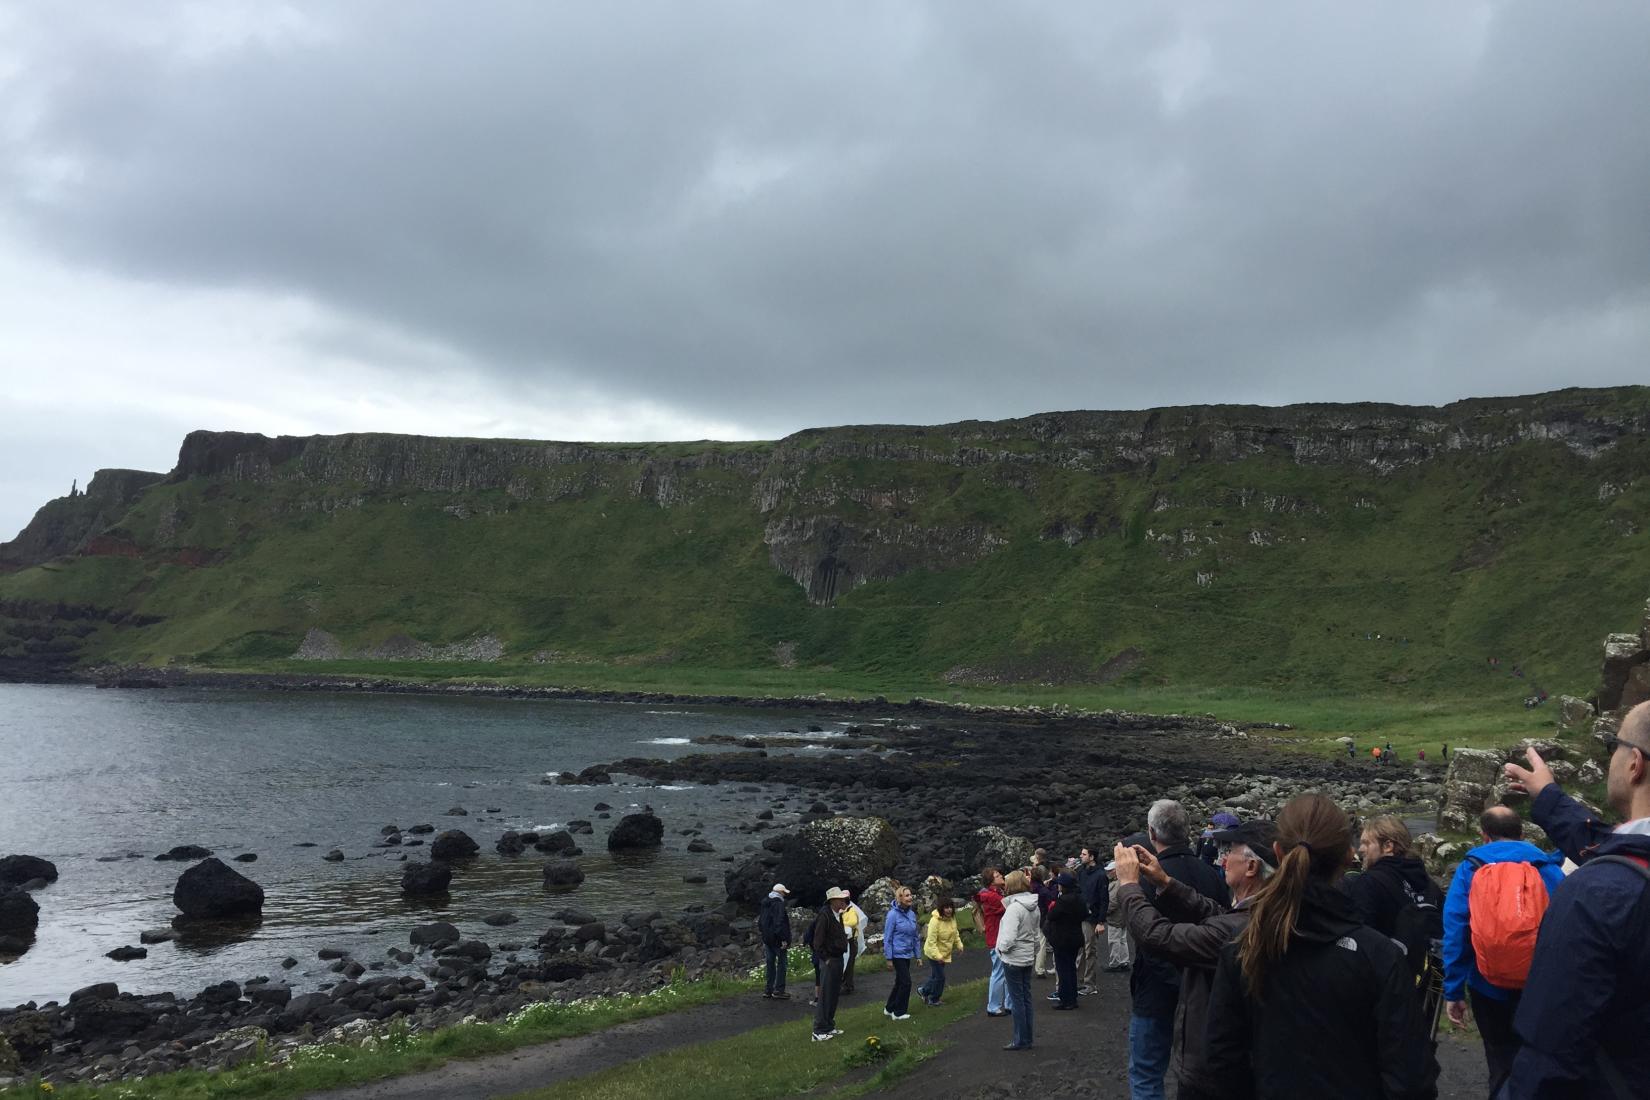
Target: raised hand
[[1532, 780]]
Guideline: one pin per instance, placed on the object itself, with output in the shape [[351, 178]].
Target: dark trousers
[[899, 997], [848, 968], [774, 968], [1065, 974], [1019, 1002], [1495, 1028], [830, 988], [934, 988]]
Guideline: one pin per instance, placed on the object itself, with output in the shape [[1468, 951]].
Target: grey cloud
[[795, 216]]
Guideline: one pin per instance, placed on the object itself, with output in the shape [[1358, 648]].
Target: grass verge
[[395, 1050], [777, 1060]]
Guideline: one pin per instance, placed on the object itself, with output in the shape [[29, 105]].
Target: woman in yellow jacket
[[938, 946]]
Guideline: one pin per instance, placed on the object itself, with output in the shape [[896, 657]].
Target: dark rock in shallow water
[[426, 879], [97, 991], [474, 950], [420, 830], [700, 846], [334, 856], [562, 872], [436, 932], [222, 993], [211, 890], [389, 830], [12, 946], [696, 878], [184, 853], [127, 953], [19, 913], [642, 830], [511, 844], [559, 841], [499, 919], [18, 869], [157, 935], [454, 844], [247, 857], [458, 811]]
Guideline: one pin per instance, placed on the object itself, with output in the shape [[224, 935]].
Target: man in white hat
[[830, 944], [773, 924]]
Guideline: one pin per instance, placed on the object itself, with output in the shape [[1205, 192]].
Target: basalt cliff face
[[995, 551]]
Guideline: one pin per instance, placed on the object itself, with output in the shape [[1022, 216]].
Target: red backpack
[[1506, 904]]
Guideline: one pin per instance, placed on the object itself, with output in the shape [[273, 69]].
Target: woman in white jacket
[[1017, 949]]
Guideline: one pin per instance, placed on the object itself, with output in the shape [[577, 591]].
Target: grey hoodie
[[1017, 934]]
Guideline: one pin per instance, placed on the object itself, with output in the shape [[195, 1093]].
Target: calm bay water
[[89, 776]]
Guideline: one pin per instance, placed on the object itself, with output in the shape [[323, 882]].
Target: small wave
[[672, 787], [667, 741], [669, 712]]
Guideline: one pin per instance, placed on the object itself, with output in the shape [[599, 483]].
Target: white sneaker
[[888, 1014], [818, 1038], [901, 1016], [836, 1031]]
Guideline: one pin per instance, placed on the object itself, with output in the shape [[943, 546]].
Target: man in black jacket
[[1154, 982], [773, 924], [1394, 878], [830, 944], [1091, 882]]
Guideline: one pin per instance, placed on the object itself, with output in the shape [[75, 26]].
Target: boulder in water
[[15, 870], [642, 830], [184, 853], [211, 890], [453, 844], [19, 914], [426, 879], [562, 872], [433, 934]]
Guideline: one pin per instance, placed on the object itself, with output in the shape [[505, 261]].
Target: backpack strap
[[1637, 863], [1476, 861]]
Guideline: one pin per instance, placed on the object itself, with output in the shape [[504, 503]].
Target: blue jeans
[[996, 993], [1019, 1002], [1151, 1038], [774, 975], [934, 988]]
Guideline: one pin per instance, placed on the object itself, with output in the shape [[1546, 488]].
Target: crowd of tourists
[[1312, 955]]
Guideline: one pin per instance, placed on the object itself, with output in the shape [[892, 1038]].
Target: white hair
[[1168, 822], [1266, 869]]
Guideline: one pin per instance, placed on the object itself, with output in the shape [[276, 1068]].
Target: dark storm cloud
[[789, 215]]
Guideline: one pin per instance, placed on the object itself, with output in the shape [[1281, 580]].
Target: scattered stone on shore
[[433, 934], [211, 890], [454, 844], [420, 879], [643, 830], [15, 870], [184, 853]]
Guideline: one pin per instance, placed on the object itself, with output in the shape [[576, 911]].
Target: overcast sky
[[734, 220]]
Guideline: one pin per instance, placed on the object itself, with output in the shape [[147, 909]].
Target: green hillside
[[1316, 550]]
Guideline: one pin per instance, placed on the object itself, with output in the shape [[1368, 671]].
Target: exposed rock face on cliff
[[1018, 551], [67, 524]]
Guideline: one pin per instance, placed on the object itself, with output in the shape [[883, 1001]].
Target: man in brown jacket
[[1189, 929]]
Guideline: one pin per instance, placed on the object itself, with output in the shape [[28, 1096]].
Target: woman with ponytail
[[1309, 1001]]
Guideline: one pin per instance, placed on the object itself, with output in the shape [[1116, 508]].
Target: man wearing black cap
[[1189, 929]]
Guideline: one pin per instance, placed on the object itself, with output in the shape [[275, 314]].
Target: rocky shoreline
[[922, 799]]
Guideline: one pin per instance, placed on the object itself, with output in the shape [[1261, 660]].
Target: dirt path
[[534, 1067], [973, 1065]]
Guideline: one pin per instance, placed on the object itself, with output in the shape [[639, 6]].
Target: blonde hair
[[1390, 829], [1016, 883]]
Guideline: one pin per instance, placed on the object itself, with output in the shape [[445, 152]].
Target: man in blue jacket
[[1492, 1007], [1585, 1015]]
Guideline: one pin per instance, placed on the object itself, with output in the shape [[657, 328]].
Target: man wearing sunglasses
[[1585, 1011]]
